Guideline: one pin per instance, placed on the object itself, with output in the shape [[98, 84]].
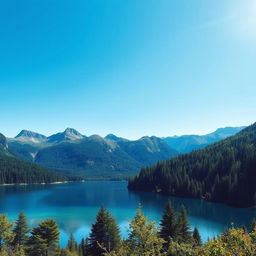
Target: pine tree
[[83, 247], [72, 245], [168, 223], [197, 237], [105, 234], [183, 227], [44, 239], [143, 237], [6, 235], [20, 230]]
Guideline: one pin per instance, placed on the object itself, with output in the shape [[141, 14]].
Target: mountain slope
[[68, 135], [223, 172], [92, 157], [147, 150], [14, 170], [29, 136], [187, 143], [97, 157], [3, 144]]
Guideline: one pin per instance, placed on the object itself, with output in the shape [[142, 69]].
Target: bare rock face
[[29, 136], [67, 135], [3, 142]]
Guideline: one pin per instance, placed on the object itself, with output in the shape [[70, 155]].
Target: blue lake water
[[74, 206]]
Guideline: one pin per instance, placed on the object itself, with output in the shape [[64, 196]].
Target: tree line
[[173, 237], [16, 171], [224, 172]]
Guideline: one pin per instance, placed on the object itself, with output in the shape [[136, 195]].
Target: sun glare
[[246, 20]]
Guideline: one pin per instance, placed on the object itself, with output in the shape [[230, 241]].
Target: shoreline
[[58, 182], [26, 184]]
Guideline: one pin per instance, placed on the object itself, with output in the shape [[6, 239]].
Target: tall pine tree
[[168, 223], [20, 230], [105, 234], [196, 237], [72, 245], [83, 247], [44, 239], [143, 237], [183, 227], [6, 235]]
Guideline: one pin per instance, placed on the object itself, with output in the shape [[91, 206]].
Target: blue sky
[[133, 68]]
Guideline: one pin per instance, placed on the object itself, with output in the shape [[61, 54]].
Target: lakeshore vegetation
[[172, 237], [17, 171], [224, 172]]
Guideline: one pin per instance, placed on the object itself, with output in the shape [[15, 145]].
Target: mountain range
[[94, 156], [108, 157], [187, 143]]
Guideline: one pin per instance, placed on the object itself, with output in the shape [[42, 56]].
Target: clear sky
[[128, 67]]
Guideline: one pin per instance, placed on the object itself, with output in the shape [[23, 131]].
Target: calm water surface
[[75, 205]]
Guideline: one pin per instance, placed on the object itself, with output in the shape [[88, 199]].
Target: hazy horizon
[[131, 68]]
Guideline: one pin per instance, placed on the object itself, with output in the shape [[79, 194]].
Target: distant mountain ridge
[[68, 134], [101, 157], [94, 156], [187, 143]]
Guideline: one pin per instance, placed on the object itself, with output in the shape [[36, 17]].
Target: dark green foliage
[[72, 244], [23, 150], [14, 171], [168, 224], [183, 227], [197, 237], [83, 247], [105, 234], [44, 239], [223, 172], [20, 231]]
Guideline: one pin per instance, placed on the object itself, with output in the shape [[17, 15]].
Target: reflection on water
[[75, 205]]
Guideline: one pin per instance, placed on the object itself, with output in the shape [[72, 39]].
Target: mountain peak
[[113, 137], [26, 135], [71, 131], [72, 134], [227, 131], [68, 134]]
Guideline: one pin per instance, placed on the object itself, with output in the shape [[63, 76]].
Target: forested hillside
[[224, 172], [14, 170]]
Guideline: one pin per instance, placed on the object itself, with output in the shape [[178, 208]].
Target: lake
[[74, 206]]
